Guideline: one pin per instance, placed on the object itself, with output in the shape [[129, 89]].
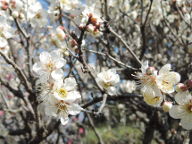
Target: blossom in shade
[[107, 80], [128, 86], [152, 95], [183, 110], [166, 79]]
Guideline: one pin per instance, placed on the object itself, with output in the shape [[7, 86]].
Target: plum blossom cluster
[[59, 96], [155, 86], [91, 21]]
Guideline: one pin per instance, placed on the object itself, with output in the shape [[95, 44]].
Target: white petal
[[44, 77], [152, 95], [44, 57], [166, 68], [74, 109], [111, 90], [144, 66], [70, 83], [59, 63], [37, 68], [55, 54], [72, 97], [173, 77], [57, 74], [57, 96], [50, 110], [112, 71], [115, 79], [177, 112], [182, 97], [3, 42], [186, 122], [64, 121]]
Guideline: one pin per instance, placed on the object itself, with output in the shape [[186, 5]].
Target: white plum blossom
[[167, 106], [67, 91], [63, 101], [50, 65], [91, 20], [37, 15], [4, 48], [57, 36], [61, 109], [128, 86], [6, 32], [183, 110], [152, 95], [166, 79], [68, 5], [107, 80]]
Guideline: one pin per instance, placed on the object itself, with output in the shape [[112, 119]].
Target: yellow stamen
[[62, 92]]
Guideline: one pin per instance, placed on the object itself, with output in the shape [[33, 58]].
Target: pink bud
[[189, 83], [150, 70], [62, 27], [1, 112], [167, 106], [181, 87]]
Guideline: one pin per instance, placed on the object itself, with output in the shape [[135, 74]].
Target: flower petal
[[177, 112], [37, 67], [186, 122], [59, 63], [165, 69], [3, 42], [182, 97], [64, 121], [144, 66], [44, 57], [152, 95], [57, 74], [74, 109], [70, 83], [72, 97]]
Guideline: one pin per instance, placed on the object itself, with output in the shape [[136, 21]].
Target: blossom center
[[38, 16], [166, 85], [61, 106], [62, 92], [189, 107], [50, 66], [148, 79], [107, 84]]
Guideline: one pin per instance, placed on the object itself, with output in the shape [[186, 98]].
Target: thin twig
[[18, 70], [94, 129], [103, 104], [112, 58], [125, 44]]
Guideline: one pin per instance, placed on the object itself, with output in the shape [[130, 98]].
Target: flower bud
[[21, 16], [189, 83], [90, 28], [180, 87], [66, 53], [150, 70], [15, 14], [167, 106]]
